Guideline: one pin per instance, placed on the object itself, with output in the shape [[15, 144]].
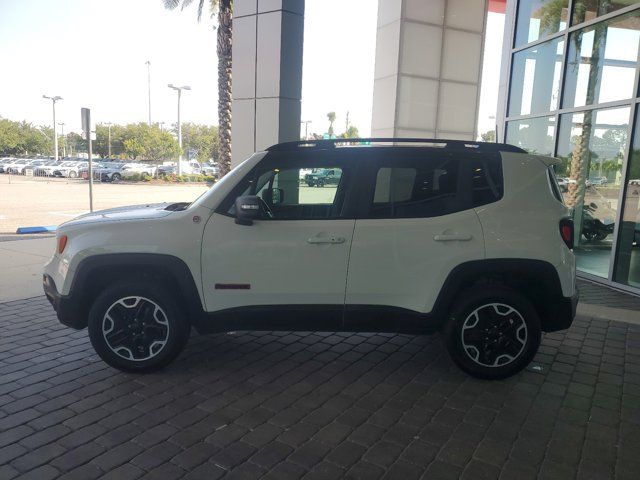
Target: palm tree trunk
[[225, 18]]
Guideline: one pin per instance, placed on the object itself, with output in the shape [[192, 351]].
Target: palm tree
[[224, 11], [332, 118]]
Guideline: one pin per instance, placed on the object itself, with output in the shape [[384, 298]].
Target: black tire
[[505, 337], [116, 177], [320, 183], [72, 174], [167, 326]]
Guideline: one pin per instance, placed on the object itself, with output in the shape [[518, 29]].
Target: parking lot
[[38, 201], [315, 405]]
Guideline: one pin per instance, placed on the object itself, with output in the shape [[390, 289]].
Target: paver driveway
[[290, 405]]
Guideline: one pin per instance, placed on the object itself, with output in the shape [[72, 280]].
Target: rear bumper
[[562, 313], [68, 311]]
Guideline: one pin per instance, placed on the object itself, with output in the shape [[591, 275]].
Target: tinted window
[[486, 181], [419, 188]]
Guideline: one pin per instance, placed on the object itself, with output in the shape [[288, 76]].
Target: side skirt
[[319, 318]]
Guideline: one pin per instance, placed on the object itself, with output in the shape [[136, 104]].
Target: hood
[[122, 214]]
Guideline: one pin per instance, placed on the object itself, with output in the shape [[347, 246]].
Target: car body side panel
[[399, 263], [525, 222], [176, 234]]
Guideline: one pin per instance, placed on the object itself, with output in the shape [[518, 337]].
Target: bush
[[134, 177]]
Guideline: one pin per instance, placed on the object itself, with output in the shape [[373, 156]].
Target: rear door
[[417, 223]]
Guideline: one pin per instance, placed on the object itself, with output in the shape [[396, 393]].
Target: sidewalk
[[21, 263]]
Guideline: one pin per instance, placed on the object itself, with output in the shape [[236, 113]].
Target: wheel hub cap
[[494, 335], [135, 328]]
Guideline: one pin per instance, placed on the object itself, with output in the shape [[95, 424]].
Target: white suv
[[418, 236]]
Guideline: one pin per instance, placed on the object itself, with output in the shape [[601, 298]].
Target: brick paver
[[315, 405]]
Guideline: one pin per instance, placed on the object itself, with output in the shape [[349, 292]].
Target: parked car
[[16, 165], [4, 162], [469, 239], [139, 168], [112, 173], [211, 169], [598, 181], [634, 181], [322, 177], [46, 169], [70, 169], [33, 165]]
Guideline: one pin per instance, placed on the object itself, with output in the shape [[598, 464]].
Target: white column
[[428, 68], [267, 74]]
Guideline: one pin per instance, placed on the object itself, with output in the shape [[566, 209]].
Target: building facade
[[569, 88]]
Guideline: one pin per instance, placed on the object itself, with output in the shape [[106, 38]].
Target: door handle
[[449, 237], [331, 239]]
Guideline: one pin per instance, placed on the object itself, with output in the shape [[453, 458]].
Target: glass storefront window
[[585, 10], [592, 145], [627, 270], [539, 18], [601, 62], [535, 79], [535, 135]]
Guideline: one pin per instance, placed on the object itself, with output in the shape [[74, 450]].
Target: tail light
[[62, 243], [566, 232]]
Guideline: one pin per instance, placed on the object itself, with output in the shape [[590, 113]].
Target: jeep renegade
[[415, 236]]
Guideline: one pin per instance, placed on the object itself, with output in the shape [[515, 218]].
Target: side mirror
[[248, 209], [273, 196]]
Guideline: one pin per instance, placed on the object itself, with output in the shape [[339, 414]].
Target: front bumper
[[69, 311]]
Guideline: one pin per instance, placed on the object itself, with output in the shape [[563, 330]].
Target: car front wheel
[[493, 332], [136, 327]]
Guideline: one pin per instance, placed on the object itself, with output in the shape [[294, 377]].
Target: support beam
[[267, 74], [428, 68]]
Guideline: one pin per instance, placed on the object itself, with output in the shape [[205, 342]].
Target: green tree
[[331, 116], [10, 137], [489, 136], [224, 11], [203, 139], [144, 142], [352, 132]]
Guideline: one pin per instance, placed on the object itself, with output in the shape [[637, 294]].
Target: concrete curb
[[39, 229], [609, 313]]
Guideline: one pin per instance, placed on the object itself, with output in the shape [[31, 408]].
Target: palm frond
[[171, 4]]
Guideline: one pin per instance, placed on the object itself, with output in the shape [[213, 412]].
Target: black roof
[[395, 142]]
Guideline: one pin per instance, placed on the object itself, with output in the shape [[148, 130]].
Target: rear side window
[[486, 181], [420, 188]]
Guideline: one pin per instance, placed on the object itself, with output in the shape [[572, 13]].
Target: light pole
[[161, 126], [306, 128], [55, 130], [179, 90], [108, 124], [148, 63], [64, 141]]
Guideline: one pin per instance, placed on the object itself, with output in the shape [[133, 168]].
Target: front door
[[289, 269]]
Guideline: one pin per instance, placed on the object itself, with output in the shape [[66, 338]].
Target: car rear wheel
[[136, 327], [72, 174], [493, 332], [116, 177]]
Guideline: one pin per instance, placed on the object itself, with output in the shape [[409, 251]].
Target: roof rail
[[436, 143]]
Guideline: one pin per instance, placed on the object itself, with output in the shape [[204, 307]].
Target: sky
[[93, 53]]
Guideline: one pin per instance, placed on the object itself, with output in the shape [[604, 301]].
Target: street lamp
[[108, 124], [179, 90], [64, 141], [148, 63], [55, 130]]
